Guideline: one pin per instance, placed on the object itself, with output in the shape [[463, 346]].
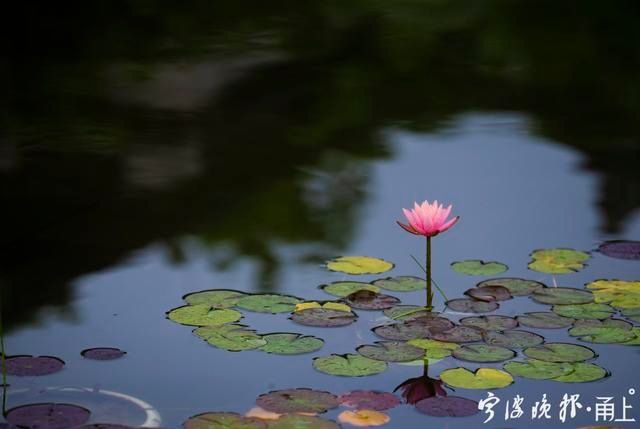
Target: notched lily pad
[[562, 295], [49, 416], [618, 293], [537, 369], [367, 300], [558, 261], [391, 351], [447, 406], [233, 338], [483, 353], [434, 349], [103, 353], [516, 286], [32, 366], [583, 373], [223, 421], [513, 339], [214, 298], [560, 352], [477, 267], [298, 401], [608, 331], [482, 378], [422, 327], [269, 303], [359, 265], [459, 334], [344, 289], [489, 293], [401, 283], [203, 315], [348, 365], [323, 317], [369, 400], [466, 305], [297, 421], [544, 320], [407, 312], [329, 305], [490, 323], [621, 249], [290, 343], [585, 311]]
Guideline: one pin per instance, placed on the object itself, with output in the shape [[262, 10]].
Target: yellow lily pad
[[482, 378], [618, 293], [359, 265], [558, 261]]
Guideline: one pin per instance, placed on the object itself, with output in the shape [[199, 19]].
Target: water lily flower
[[416, 389], [428, 219]]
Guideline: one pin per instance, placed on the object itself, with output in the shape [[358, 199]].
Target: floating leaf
[[636, 340], [369, 400], [605, 332], [618, 293], [477, 267], [290, 344], [562, 295], [621, 249], [407, 312], [344, 289], [31, 366], [459, 334], [422, 327], [323, 317], [231, 337], [447, 406], [434, 349], [363, 418], [348, 365], [367, 300], [401, 283], [465, 305], [483, 353], [359, 265], [538, 370], [203, 315], [214, 298], [560, 352], [544, 320], [391, 351], [582, 373], [101, 426], [517, 286], [49, 416], [328, 305], [558, 261], [482, 378], [103, 353], [223, 421], [632, 314], [513, 339], [298, 401], [490, 323], [297, 421], [489, 293], [585, 311], [269, 303]]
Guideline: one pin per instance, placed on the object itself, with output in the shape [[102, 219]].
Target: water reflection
[[416, 389]]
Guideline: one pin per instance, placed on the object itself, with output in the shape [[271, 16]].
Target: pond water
[[237, 159]]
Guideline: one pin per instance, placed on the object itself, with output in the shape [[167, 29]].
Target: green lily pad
[[632, 314], [290, 344], [618, 293], [344, 289], [231, 337], [482, 378], [407, 312], [585, 311], [434, 349], [298, 421], [517, 286], [422, 327], [636, 340], [477, 267], [359, 265], [349, 365], [269, 303], [513, 339], [391, 351], [583, 373], [608, 331], [544, 320], [215, 298], [298, 401], [465, 305], [367, 300], [223, 421], [203, 315], [558, 261], [401, 283], [537, 369], [490, 323], [323, 317], [560, 352], [458, 334], [562, 295], [489, 293], [483, 353]]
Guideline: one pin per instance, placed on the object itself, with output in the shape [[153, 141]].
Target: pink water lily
[[428, 219]]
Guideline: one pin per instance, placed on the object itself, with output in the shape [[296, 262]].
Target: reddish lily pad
[[513, 339], [369, 400], [560, 352], [621, 249], [324, 317], [368, 300], [516, 286], [215, 298], [223, 421], [423, 327], [48, 416], [298, 401], [544, 320], [459, 334], [465, 305], [490, 323], [29, 366], [447, 406], [103, 353], [401, 283], [408, 312], [391, 351], [489, 293], [483, 353], [562, 295], [297, 421]]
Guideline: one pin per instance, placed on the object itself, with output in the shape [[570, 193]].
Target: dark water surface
[[149, 152]]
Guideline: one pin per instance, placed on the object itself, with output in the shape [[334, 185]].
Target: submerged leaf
[[490, 323], [269, 303], [391, 351], [231, 337], [560, 352], [369, 399], [477, 267], [517, 286], [214, 298], [538, 370], [618, 293], [465, 305], [348, 365], [447, 406], [483, 353], [359, 265], [364, 418], [103, 353], [544, 320], [344, 289], [290, 344], [482, 378], [32, 366], [562, 295], [621, 249], [298, 401], [323, 317], [585, 311], [223, 421], [203, 315], [401, 283]]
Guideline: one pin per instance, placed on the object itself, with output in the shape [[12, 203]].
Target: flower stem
[[428, 265]]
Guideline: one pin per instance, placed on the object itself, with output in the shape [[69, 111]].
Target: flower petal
[[408, 228], [449, 224]]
